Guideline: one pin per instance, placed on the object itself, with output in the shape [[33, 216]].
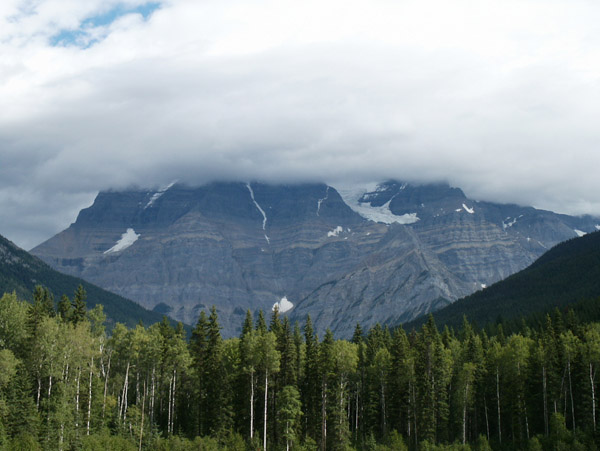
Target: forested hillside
[[65, 384], [21, 272], [566, 274]]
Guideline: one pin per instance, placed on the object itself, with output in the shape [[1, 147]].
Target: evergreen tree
[[289, 412], [311, 382], [345, 361], [198, 350], [261, 324], [216, 409], [79, 305], [401, 406], [64, 308]]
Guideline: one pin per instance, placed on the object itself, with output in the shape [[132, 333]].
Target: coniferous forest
[[65, 383]]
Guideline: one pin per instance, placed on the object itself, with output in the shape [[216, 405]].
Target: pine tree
[[261, 324], [198, 350], [311, 382], [79, 305], [326, 369], [64, 308], [345, 362], [401, 408], [216, 411], [289, 413], [432, 372]]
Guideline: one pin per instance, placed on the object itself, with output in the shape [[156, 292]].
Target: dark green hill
[[21, 272], [566, 274]]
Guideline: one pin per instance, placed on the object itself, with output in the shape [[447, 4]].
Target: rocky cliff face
[[384, 253]]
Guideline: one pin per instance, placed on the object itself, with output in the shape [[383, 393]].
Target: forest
[[66, 383]]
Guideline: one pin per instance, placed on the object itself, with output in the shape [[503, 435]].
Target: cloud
[[498, 97]]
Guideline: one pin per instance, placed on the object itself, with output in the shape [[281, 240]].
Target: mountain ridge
[[20, 272], [382, 253], [565, 275]]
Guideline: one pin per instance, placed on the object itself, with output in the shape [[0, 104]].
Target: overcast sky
[[500, 98]]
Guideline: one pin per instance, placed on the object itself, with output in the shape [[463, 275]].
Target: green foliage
[[65, 384], [106, 441]]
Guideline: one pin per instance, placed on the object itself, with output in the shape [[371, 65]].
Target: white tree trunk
[[544, 385], [571, 394], [287, 432], [39, 391], [593, 397], [89, 412], [356, 413], [324, 416], [383, 416], [251, 404], [169, 409], [498, 403], [152, 397], [142, 423], [106, 386], [265, 422], [123, 407], [464, 421], [77, 400], [173, 401]]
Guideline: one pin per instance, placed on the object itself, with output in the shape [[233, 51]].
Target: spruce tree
[[64, 308], [79, 305], [198, 351], [311, 383], [216, 410]]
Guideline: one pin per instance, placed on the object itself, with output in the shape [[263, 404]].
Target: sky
[[498, 97]]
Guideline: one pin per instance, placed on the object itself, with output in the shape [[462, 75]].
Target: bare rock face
[[385, 253]]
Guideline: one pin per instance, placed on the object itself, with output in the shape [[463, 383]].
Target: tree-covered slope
[[567, 273], [21, 272]]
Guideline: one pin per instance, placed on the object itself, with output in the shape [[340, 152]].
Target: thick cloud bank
[[498, 97]]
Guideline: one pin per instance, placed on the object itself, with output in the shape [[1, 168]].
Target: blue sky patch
[[81, 37]]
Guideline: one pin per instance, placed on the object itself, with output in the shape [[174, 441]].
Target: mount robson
[[384, 253]]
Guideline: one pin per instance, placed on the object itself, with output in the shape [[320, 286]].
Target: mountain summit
[[343, 254]]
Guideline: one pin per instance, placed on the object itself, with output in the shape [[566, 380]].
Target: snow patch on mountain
[[283, 305], [353, 194], [597, 226], [127, 239], [468, 210], [508, 224], [158, 194], [335, 232], [579, 232], [264, 224], [320, 201]]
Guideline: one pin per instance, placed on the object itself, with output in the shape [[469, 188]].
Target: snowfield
[[127, 239], [283, 305], [158, 194], [352, 194]]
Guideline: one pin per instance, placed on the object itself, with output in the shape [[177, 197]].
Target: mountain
[[343, 254], [566, 274], [21, 272]]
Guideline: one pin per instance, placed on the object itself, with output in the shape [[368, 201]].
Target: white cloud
[[499, 97]]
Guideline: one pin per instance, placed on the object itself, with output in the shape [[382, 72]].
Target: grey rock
[[216, 245]]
